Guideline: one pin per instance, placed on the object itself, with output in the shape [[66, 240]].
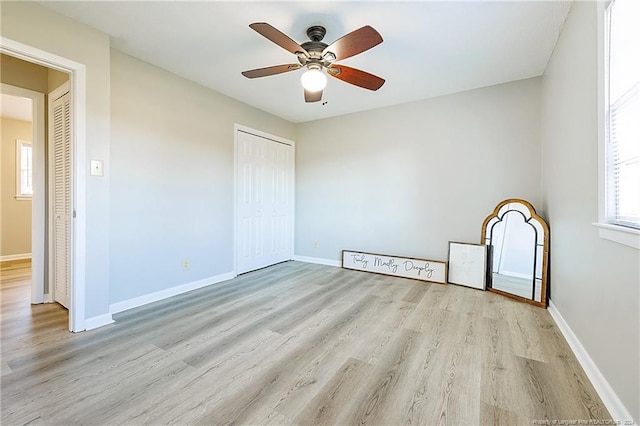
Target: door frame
[[241, 128], [38, 203], [78, 86]]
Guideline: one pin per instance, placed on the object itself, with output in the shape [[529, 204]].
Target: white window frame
[[612, 232], [19, 194]]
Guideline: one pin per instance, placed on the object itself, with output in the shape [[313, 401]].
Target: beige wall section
[[172, 177], [595, 283], [55, 79], [27, 75], [408, 179], [15, 215]]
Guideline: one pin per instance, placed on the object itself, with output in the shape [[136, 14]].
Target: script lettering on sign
[[418, 269]]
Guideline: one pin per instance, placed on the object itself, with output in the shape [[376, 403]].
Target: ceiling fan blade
[[312, 96], [356, 77], [264, 72], [278, 37], [353, 43]]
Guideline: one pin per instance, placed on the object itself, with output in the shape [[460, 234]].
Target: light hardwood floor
[[294, 343]]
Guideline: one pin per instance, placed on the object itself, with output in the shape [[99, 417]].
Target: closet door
[[264, 202], [61, 189]]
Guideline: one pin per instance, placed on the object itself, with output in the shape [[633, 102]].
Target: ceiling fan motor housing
[[315, 47], [316, 33]]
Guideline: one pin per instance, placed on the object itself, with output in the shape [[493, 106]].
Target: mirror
[[518, 241]]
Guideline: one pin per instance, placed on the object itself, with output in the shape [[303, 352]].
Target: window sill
[[619, 234], [23, 197]]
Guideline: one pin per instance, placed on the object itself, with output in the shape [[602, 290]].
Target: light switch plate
[[96, 168]]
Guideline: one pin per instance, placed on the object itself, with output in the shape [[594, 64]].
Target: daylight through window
[[623, 114], [24, 169]]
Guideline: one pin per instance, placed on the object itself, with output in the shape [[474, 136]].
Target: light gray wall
[[595, 283], [15, 215], [172, 148], [36, 26], [402, 180], [408, 179]]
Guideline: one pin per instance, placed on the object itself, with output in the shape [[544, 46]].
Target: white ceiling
[[430, 48], [15, 107]]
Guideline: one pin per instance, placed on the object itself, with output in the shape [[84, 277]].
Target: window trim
[[619, 234], [19, 195]]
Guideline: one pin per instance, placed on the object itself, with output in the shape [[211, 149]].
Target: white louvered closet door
[[62, 211]]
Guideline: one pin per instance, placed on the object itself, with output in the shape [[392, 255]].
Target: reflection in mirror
[[518, 246]]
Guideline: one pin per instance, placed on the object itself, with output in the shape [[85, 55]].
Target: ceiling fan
[[317, 56]]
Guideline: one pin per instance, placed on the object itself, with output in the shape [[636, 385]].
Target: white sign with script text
[[417, 269]]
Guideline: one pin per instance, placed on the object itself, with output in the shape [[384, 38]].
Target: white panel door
[[264, 202], [62, 211]]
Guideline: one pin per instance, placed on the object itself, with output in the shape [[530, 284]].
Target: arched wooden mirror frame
[[545, 250]]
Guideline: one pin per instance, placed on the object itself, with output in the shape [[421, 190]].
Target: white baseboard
[[98, 321], [609, 397], [124, 305], [318, 260], [15, 257]]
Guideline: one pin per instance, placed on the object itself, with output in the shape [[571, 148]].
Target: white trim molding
[[619, 234], [20, 256], [124, 305], [317, 260], [609, 397], [98, 321]]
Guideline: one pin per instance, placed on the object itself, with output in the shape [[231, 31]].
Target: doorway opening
[[75, 74], [28, 250]]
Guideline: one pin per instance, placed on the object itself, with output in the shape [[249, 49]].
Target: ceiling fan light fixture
[[313, 80], [318, 57]]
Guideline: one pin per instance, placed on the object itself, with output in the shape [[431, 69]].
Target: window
[[24, 170], [622, 114]]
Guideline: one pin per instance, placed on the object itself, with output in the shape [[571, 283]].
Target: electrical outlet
[[186, 263], [315, 244]]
